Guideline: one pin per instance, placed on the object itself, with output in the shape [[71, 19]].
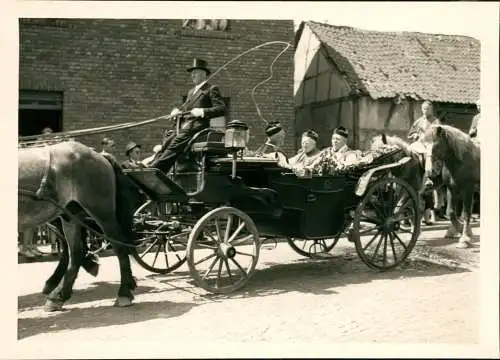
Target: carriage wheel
[[386, 223], [161, 249], [311, 247], [223, 250]]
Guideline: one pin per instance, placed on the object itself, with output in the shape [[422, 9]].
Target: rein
[[103, 129]]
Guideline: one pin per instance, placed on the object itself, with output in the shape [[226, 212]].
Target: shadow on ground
[[319, 276], [96, 291], [92, 317]]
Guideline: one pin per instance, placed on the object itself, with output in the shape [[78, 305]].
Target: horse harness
[[44, 191]]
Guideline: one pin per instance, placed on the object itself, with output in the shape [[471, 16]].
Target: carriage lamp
[[235, 139], [236, 135]]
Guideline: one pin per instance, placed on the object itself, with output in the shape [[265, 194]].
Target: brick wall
[[115, 71]]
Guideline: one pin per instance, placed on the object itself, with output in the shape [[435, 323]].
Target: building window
[[205, 24], [39, 110]]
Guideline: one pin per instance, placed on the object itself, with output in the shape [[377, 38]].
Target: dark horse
[[70, 181], [452, 148]]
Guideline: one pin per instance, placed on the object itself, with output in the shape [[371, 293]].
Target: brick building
[[85, 73], [372, 81]]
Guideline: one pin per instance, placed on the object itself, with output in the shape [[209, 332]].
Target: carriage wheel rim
[[386, 239], [218, 249]]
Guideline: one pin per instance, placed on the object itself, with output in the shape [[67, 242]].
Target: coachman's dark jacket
[[209, 98]]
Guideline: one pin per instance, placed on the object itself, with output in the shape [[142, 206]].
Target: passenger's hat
[[273, 128], [199, 64], [342, 131], [130, 146], [311, 134]]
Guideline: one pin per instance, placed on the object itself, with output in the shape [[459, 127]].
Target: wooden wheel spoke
[[166, 256], [206, 246], [210, 236], [217, 227], [369, 219], [156, 254], [400, 241], [228, 270], [174, 251], [241, 240], [367, 231], [402, 206], [391, 238], [228, 228], [377, 248], [205, 258], [305, 242], [210, 267], [244, 254], [372, 240], [237, 232], [219, 271], [385, 249], [243, 272]]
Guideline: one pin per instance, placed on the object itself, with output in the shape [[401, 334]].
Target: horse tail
[[124, 198]]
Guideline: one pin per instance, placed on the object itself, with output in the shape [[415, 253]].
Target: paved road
[[431, 298]]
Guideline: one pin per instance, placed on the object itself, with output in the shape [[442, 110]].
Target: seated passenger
[[272, 148], [308, 153], [133, 153], [339, 153]]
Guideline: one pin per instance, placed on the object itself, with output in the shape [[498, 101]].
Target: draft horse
[[70, 181], [461, 156]]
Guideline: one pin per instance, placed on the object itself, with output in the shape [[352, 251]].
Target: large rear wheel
[[386, 223]]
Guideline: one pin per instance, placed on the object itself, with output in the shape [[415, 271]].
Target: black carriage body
[[279, 202]]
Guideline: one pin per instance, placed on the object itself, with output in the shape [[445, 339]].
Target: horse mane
[[402, 144], [459, 142]]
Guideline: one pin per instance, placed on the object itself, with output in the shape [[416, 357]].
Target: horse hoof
[[463, 243], [53, 305], [123, 302]]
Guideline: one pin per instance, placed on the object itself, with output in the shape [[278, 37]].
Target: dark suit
[[208, 98]]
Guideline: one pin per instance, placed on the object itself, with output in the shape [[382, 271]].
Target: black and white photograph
[[224, 179]]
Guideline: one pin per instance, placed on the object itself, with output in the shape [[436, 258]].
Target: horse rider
[[133, 152], [474, 127], [415, 133], [204, 102], [308, 152]]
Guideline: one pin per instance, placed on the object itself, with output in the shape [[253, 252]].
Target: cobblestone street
[[432, 298]]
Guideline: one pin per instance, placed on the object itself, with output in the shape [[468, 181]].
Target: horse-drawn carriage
[[217, 211]]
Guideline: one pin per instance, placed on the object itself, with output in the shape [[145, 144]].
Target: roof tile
[[442, 68]]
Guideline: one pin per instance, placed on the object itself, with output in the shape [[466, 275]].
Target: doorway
[[38, 110]]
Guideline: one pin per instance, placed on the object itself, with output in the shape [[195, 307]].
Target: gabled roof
[[443, 68]]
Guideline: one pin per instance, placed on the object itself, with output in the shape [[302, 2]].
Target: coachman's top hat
[[199, 64]]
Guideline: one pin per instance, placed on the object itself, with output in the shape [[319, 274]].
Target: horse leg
[[64, 289], [127, 281], [465, 239], [454, 204], [56, 277]]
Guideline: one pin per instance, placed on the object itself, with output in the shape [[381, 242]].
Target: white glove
[[175, 112], [197, 112]]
